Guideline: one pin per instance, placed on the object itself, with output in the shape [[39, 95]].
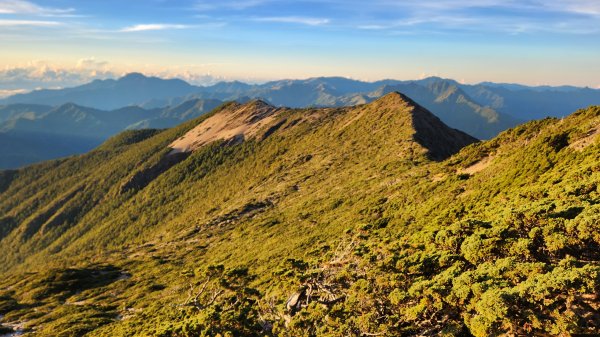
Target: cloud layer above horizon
[[528, 41]]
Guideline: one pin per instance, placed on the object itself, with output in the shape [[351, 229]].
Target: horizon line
[[117, 77]]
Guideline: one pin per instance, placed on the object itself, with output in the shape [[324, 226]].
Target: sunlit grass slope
[[367, 220]]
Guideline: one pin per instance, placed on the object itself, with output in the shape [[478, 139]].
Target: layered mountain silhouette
[[483, 109], [25, 111], [533, 103], [131, 89], [32, 133], [260, 220]]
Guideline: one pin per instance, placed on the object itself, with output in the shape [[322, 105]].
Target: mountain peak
[[397, 102], [69, 106], [395, 98], [259, 103], [419, 125], [133, 77]]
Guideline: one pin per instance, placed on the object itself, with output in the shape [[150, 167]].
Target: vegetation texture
[[362, 221]]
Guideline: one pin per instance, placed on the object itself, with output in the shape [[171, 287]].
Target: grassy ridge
[[342, 208]]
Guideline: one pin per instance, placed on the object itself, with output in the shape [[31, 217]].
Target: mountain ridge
[[109, 94], [232, 237], [512, 103], [247, 119], [393, 111], [479, 110]]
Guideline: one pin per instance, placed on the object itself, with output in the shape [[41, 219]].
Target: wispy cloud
[[239, 5], [31, 23], [502, 16], [295, 19], [152, 26], [585, 7], [374, 27], [27, 7], [92, 63], [6, 93], [169, 26], [42, 74]]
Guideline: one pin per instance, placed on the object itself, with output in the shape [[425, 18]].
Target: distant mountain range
[[32, 133], [519, 101], [102, 108], [110, 94]]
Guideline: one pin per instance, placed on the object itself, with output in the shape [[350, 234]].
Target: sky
[[58, 43]]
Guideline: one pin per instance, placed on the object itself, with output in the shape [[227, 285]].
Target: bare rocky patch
[[478, 166], [588, 139], [240, 123]]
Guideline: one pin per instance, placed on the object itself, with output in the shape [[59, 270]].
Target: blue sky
[[57, 43]]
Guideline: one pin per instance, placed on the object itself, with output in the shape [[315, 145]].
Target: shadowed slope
[[430, 132]]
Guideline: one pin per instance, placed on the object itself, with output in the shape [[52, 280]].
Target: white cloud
[[573, 6], [235, 4], [91, 63], [190, 76], [584, 7], [443, 6], [550, 16], [295, 19], [32, 23], [27, 7], [152, 26], [374, 27], [6, 93], [41, 74], [423, 76]]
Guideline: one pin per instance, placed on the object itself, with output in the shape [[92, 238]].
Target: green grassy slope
[[351, 221]]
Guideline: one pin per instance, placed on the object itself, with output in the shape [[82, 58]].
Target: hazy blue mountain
[[516, 86], [234, 87], [171, 116], [519, 101], [131, 89], [62, 131], [190, 109], [339, 85], [482, 110], [534, 103], [28, 111], [34, 135], [19, 148], [74, 120]]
